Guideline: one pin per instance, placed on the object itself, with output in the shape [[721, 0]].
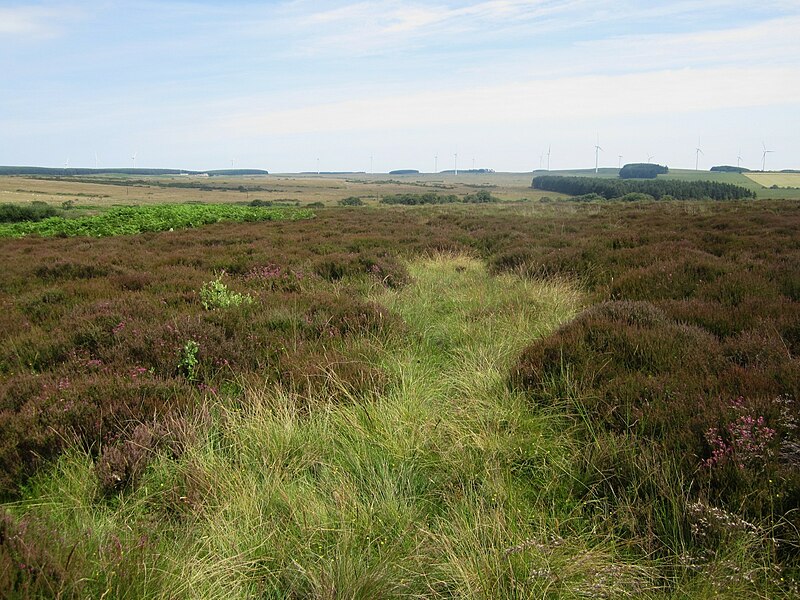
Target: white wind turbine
[[650, 157], [739, 159], [597, 151], [764, 156], [548, 158], [133, 158], [697, 154]]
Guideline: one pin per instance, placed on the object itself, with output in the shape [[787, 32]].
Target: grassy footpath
[[446, 486]]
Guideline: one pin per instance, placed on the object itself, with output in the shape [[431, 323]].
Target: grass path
[[448, 485]]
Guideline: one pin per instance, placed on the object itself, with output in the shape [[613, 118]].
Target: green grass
[[140, 219]]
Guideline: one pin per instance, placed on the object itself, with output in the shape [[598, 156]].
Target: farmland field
[[782, 180], [510, 400], [103, 192]]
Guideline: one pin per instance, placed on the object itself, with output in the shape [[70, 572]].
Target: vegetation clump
[[729, 169], [642, 171], [351, 201], [215, 294], [35, 211], [418, 199]]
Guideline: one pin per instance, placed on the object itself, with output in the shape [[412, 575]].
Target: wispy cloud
[[30, 21], [364, 28], [770, 42], [663, 92]]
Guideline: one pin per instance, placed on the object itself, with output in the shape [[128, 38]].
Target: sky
[[348, 85]]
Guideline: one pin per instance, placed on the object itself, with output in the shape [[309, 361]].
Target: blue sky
[[276, 85]]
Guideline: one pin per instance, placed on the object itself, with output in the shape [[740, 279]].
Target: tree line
[[657, 188]]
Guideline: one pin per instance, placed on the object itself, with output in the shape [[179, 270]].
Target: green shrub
[[637, 197], [35, 211], [351, 201], [215, 294], [481, 197]]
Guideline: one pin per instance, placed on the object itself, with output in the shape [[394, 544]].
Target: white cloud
[[29, 21], [662, 92], [773, 41]]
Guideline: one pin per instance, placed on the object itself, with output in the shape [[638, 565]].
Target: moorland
[[520, 398]]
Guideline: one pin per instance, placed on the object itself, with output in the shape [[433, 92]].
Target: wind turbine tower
[[436, 163], [548, 158], [455, 159], [597, 151], [697, 154], [739, 159], [619, 164], [133, 158], [650, 157], [764, 156]]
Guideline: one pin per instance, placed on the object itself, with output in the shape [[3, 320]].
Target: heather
[[460, 401]]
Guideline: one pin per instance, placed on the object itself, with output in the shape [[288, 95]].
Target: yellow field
[[782, 180], [328, 189]]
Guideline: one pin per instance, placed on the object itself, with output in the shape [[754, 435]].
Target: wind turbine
[[650, 157], [697, 154], [541, 160], [548, 158], [739, 159], [133, 158], [764, 156], [455, 158], [597, 151], [436, 163], [619, 164]]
